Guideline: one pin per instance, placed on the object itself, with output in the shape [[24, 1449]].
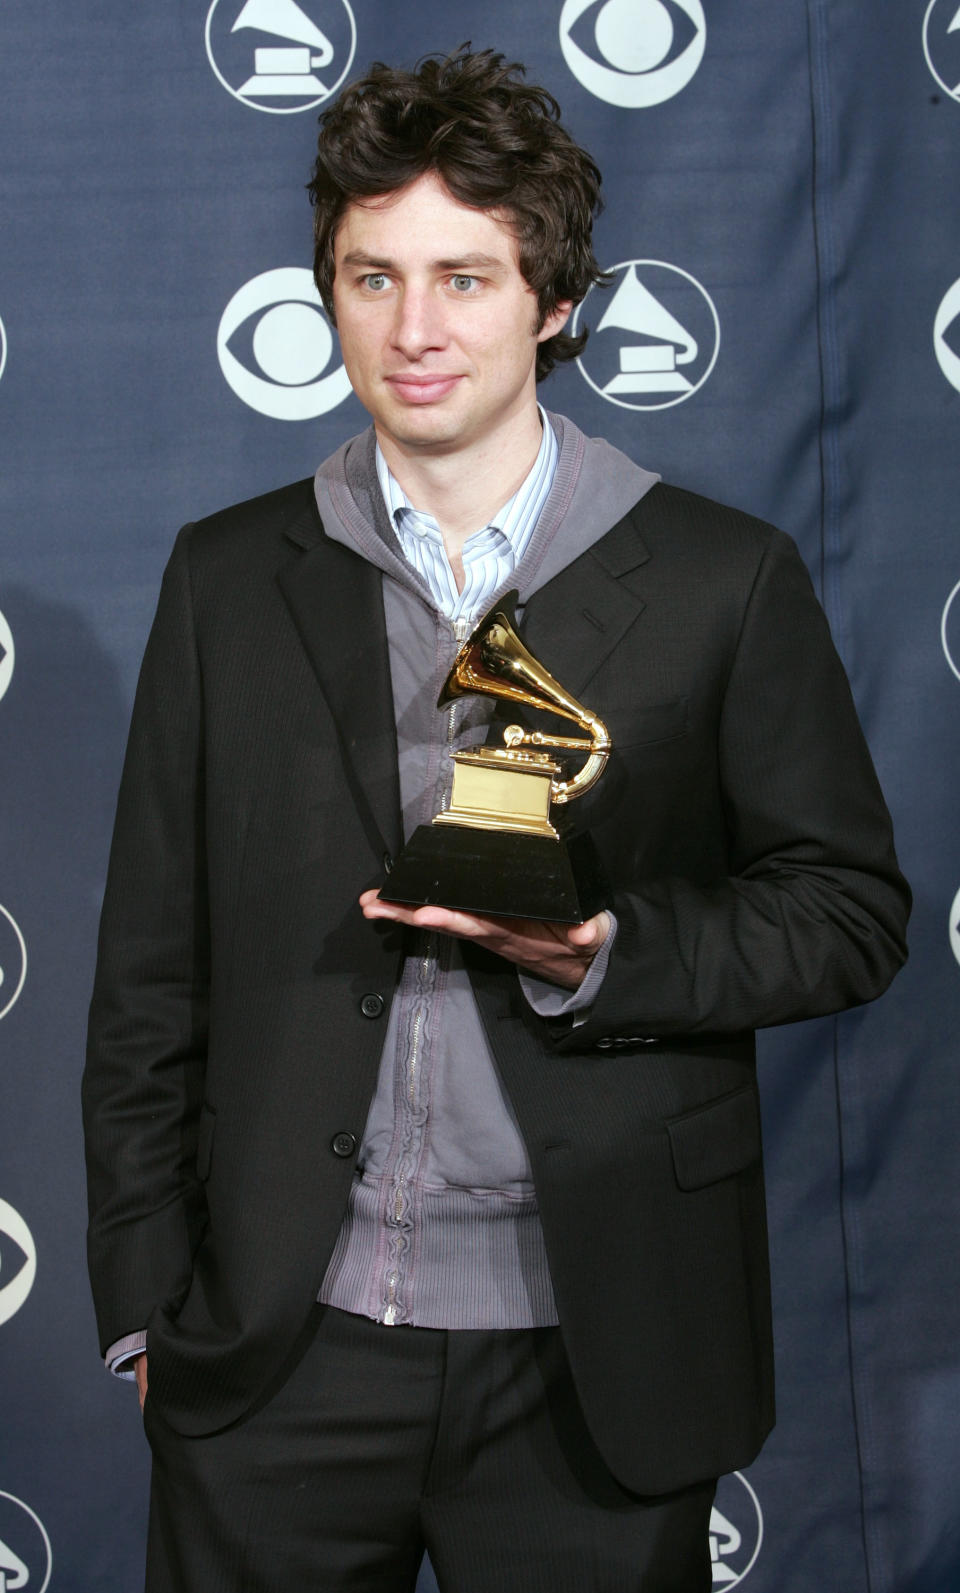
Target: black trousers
[[384, 1441]]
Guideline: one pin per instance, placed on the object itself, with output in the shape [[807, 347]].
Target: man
[[448, 1231]]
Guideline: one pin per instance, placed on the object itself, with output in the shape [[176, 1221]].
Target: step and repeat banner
[[782, 332]]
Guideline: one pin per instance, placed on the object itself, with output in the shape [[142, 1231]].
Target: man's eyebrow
[[357, 257], [465, 263], [486, 262]]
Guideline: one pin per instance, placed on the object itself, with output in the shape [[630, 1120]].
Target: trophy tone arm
[[599, 747]]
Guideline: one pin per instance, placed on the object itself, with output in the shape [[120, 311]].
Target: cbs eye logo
[[278, 322], [633, 53], [7, 655], [946, 331], [13, 961], [3, 347], [950, 630], [955, 926], [18, 1262]]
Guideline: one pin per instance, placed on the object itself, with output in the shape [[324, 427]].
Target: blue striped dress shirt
[[490, 555]]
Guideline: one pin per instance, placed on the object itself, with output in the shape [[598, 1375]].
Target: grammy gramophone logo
[[941, 44], [279, 56], [736, 1532], [654, 335], [26, 1558]]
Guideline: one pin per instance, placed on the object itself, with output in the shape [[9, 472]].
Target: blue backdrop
[[781, 186]]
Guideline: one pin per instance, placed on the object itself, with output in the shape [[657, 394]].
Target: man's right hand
[[140, 1368]]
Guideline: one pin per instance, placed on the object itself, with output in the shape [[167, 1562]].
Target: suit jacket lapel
[[337, 605], [574, 622]]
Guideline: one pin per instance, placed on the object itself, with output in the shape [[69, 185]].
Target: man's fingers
[[449, 921], [140, 1370], [558, 952], [587, 936]]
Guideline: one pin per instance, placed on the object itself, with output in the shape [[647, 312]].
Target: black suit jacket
[[231, 1044]]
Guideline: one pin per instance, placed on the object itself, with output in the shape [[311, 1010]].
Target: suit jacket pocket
[[208, 1122], [717, 1140], [633, 724]]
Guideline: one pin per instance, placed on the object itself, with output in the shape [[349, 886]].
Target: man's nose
[[419, 324]]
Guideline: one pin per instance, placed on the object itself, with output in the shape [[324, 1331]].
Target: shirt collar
[[512, 519]]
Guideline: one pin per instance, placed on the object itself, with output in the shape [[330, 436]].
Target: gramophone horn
[[494, 662]]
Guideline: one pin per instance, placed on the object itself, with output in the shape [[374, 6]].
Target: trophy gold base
[[498, 872]]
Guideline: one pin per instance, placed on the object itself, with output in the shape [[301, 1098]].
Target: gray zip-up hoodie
[[442, 1228]]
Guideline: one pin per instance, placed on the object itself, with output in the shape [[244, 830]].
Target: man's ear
[[556, 320]]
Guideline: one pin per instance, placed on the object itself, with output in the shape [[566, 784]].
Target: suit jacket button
[[387, 863], [343, 1144], [371, 1005], [605, 1042]]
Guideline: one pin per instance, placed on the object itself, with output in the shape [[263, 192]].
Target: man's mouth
[[422, 389]]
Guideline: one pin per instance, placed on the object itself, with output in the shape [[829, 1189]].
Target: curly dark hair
[[496, 144]]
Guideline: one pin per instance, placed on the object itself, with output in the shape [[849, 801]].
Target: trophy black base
[[498, 872]]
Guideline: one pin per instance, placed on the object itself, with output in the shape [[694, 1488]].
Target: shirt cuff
[[553, 1001], [120, 1356]]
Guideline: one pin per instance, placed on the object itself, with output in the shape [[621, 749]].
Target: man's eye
[[375, 280], [462, 282]]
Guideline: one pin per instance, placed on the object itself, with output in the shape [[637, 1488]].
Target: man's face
[[437, 326]]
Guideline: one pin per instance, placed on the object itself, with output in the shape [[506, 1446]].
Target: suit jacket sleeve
[[143, 1083], [811, 914]]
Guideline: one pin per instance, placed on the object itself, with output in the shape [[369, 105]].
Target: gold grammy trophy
[[495, 848]]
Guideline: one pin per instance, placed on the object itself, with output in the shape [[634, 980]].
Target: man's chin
[[425, 430]]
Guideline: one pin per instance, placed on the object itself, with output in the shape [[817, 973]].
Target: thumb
[[591, 934]]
